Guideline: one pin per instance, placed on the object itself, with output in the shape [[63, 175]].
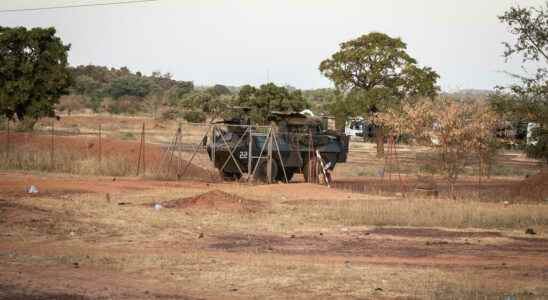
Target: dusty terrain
[[369, 237], [92, 237]]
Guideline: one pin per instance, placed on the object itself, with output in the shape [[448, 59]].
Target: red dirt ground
[[215, 200], [455, 251], [17, 184], [534, 187], [498, 189]]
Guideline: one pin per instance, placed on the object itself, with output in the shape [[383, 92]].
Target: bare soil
[[215, 200]]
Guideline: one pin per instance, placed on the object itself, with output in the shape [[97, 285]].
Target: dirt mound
[[216, 200], [533, 188]]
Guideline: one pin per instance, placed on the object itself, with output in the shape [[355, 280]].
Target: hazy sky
[[236, 42]]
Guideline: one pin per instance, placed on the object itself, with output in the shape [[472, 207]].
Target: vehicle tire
[[227, 176], [311, 170], [262, 172], [288, 173]]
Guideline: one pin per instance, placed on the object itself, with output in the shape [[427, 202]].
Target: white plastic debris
[[157, 206], [33, 190]]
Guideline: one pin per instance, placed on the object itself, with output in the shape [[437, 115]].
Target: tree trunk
[[379, 132]]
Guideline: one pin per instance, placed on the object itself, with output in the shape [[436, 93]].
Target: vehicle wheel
[[288, 173], [311, 170], [262, 172], [227, 176]]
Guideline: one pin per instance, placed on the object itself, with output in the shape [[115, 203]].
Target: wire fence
[[177, 151]]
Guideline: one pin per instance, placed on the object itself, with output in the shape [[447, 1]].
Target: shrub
[[194, 116]]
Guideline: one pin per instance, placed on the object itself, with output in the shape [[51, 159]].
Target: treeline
[[121, 91]]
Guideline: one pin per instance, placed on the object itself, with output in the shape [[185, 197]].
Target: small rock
[[234, 290], [72, 233], [292, 236], [506, 203], [321, 233], [201, 235], [124, 203], [113, 178], [378, 290], [344, 229], [530, 231], [76, 265]]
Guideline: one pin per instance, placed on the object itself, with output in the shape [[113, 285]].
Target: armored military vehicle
[[238, 148]]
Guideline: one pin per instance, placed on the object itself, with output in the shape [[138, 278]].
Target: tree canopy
[[377, 61], [267, 98], [33, 72], [528, 99], [376, 73]]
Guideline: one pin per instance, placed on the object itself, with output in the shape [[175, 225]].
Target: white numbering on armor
[[243, 154]]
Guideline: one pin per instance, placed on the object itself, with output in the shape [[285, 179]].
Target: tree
[[380, 72], [133, 86], [219, 90], [71, 103], [207, 103], [529, 97], [455, 129], [33, 72], [268, 98]]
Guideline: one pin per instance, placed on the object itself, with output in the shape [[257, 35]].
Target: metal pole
[[269, 165], [213, 130], [250, 154], [280, 157], [100, 147], [8, 141], [140, 153], [144, 147], [52, 143]]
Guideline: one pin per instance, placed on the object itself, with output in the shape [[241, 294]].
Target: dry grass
[[433, 213], [66, 161], [137, 241]]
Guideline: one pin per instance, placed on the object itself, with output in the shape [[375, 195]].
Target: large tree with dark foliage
[[33, 72], [379, 71], [528, 99], [268, 98]]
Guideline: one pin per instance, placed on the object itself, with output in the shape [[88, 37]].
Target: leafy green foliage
[[34, 74], [99, 85], [132, 85], [208, 102], [194, 116], [378, 73], [528, 100], [268, 98]]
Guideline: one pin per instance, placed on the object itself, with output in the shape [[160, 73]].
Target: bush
[[194, 116], [170, 114], [125, 105]]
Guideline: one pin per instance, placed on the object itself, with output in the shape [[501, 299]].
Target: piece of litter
[[157, 206], [33, 189]]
